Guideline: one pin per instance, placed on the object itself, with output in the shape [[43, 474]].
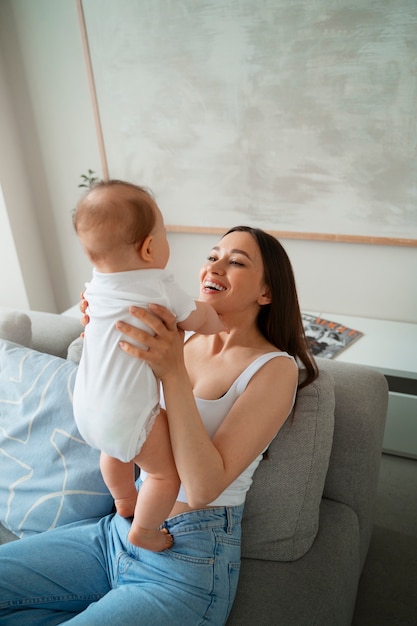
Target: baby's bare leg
[[159, 490], [120, 480]]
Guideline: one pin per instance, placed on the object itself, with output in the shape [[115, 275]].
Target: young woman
[[226, 397]]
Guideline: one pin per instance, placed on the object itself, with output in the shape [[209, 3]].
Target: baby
[[116, 397]]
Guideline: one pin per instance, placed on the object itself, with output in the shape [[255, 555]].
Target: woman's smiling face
[[233, 276]]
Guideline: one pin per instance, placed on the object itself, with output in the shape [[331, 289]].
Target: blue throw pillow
[[48, 475]]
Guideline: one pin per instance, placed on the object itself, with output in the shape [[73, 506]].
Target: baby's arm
[[203, 320]]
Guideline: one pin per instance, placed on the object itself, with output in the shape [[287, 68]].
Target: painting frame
[[212, 229]]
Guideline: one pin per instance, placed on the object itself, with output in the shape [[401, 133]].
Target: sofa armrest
[[360, 415], [50, 332]]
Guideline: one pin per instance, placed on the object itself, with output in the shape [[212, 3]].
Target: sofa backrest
[[281, 516]]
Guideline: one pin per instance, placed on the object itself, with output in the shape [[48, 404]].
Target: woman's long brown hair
[[280, 321]]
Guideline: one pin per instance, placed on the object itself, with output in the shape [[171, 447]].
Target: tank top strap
[[242, 381]]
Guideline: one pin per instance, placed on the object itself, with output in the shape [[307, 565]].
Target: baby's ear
[[145, 250]]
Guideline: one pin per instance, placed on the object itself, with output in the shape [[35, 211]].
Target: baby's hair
[[120, 213]]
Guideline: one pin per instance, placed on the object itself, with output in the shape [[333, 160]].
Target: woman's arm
[[206, 467]]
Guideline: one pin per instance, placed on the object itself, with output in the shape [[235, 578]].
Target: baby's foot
[[126, 506], [154, 540]]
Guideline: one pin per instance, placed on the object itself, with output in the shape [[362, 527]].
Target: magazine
[[327, 338]]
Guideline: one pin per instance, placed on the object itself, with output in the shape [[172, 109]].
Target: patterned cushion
[[49, 476], [281, 517]]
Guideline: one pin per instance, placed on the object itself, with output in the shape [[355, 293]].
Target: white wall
[[48, 87], [42, 53], [12, 286], [24, 277], [353, 279]]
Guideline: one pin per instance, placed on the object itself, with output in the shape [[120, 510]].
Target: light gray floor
[[387, 594]]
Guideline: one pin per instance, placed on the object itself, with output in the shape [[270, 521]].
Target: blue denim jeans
[[89, 574]]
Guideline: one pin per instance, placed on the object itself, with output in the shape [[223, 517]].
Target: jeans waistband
[[227, 517]]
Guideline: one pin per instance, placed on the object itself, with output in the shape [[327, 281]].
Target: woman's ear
[[145, 251], [265, 297]]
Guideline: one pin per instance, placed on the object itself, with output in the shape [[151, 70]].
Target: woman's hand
[[164, 351], [83, 308]]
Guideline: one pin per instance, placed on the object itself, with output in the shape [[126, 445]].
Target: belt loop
[[229, 518]]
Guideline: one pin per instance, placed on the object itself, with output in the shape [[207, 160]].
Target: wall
[[24, 277], [42, 54], [354, 279], [49, 91], [11, 279]]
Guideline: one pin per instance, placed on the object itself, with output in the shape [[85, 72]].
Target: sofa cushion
[[281, 516], [49, 475]]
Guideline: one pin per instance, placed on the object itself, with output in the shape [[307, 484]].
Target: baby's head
[[119, 223]]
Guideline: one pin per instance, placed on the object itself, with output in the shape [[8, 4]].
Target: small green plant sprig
[[88, 179]]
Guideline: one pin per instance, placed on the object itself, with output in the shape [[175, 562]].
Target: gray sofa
[[309, 513]]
